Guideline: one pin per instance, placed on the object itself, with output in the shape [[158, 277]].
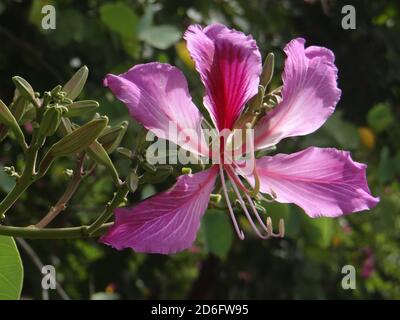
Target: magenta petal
[[309, 93], [166, 223], [322, 181], [157, 96], [229, 64]]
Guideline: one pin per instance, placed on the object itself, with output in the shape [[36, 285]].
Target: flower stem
[[52, 233], [61, 204], [27, 177], [108, 211]]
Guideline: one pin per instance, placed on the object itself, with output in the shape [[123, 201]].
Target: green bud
[[18, 107], [56, 90], [100, 155], [186, 170], [29, 114], [79, 139], [146, 166], [81, 107], [216, 198], [125, 152], [74, 142], [256, 102], [7, 119], [65, 127], [161, 174], [75, 85], [268, 70], [25, 89], [3, 132], [51, 120], [132, 181], [112, 137]]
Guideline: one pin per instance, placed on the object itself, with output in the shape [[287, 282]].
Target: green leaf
[[380, 117], [217, 231], [146, 20], [11, 270], [119, 18], [160, 37]]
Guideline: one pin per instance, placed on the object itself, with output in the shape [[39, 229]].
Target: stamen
[[281, 233], [267, 227], [250, 143], [243, 205], [228, 202], [255, 211], [237, 180]]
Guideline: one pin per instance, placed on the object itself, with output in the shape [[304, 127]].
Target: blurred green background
[[111, 36]]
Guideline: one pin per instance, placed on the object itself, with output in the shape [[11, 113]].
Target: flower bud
[[100, 155], [268, 70], [132, 181], [56, 90], [79, 139], [111, 137], [25, 89], [125, 152], [74, 142], [186, 170], [29, 114], [7, 118], [18, 107], [75, 85], [81, 107], [51, 120]]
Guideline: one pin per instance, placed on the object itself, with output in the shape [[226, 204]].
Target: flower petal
[[157, 96], [169, 221], [229, 64], [309, 95], [322, 181]]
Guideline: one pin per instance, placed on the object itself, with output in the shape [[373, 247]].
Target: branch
[[72, 187], [119, 197], [53, 233]]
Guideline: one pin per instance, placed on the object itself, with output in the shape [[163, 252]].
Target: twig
[[38, 263], [61, 204], [53, 233], [119, 197]]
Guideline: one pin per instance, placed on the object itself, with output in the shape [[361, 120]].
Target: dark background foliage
[[111, 36]]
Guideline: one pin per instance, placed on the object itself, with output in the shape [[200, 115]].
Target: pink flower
[[324, 182]]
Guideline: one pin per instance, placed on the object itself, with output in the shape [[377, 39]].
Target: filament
[[228, 202], [243, 205]]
